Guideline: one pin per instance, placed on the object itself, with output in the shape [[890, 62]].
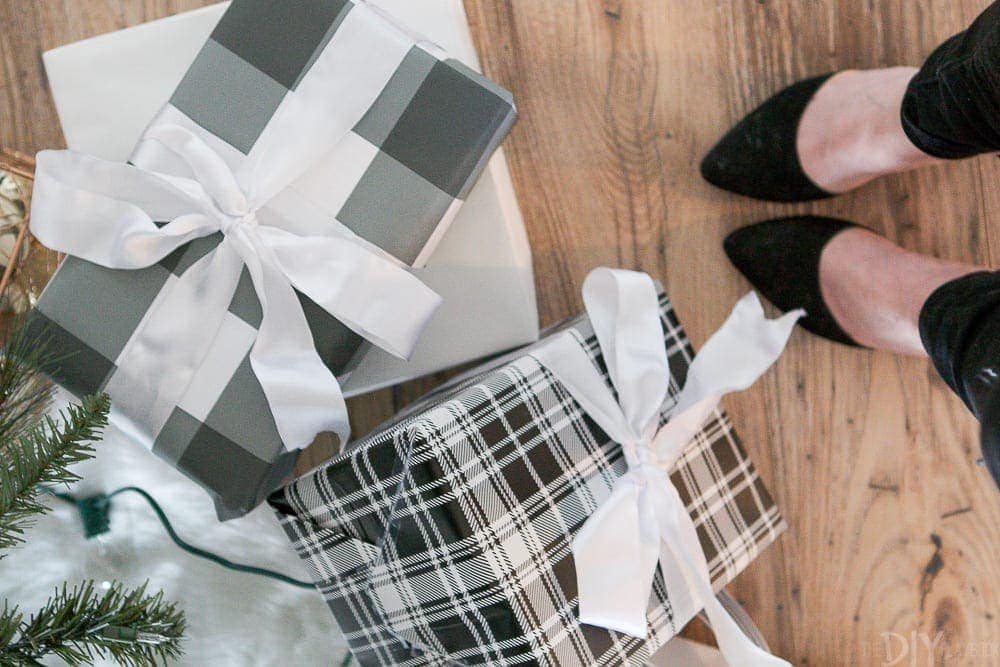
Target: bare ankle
[[855, 268], [851, 131]]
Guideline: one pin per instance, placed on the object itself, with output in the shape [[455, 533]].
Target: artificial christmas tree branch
[[36, 451], [24, 394], [77, 625], [41, 456]]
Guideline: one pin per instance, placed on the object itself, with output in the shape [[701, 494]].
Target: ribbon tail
[[738, 353], [374, 297], [159, 362], [304, 396], [742, 349], [680, 540], [615, 562]]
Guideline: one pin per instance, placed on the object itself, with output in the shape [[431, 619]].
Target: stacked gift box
[[457, 532], [396, 180]]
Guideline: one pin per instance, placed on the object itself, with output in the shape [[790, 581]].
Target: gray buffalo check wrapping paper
[[444, 537], [396, 180]]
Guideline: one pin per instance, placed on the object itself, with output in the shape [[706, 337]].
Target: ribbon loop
[[644, 523], [631, 333], [107, 213]]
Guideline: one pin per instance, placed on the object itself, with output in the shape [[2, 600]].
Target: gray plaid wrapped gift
[[447, 536], [319, 119]]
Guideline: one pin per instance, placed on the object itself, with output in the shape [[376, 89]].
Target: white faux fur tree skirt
[[233, 618]]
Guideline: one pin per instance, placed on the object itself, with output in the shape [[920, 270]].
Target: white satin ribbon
[[645, 522], [104, 212]]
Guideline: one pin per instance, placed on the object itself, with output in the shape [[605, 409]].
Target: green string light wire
[[95, 514]]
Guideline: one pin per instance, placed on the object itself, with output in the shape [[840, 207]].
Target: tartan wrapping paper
[[444, 538], [396, 180]]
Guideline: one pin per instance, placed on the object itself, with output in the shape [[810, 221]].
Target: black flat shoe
[[781, 259], [758, 158]]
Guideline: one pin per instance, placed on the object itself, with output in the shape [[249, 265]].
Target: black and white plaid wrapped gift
[[321, 119], [447, 536]]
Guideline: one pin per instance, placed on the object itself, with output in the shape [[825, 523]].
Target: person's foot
[[854, 269], [860, 289], [850, 131], [875, 290], [818, 138], [856, 287]]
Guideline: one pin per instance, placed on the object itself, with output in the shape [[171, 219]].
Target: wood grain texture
[[893, 527]]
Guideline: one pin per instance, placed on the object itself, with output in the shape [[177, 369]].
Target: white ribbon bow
[[104, 212], [645, 522]]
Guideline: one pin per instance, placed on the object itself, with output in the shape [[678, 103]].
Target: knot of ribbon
[[125, 217], [230, 223], [644, 523]]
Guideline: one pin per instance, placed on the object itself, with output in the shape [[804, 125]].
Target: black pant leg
[[952, 106], [958, 318]]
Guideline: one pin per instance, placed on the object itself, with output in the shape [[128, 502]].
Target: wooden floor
[[894, 540]]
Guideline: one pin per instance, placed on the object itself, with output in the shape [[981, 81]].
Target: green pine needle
[[41, 456], [24, 393], [36, 450], [79, 625]]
